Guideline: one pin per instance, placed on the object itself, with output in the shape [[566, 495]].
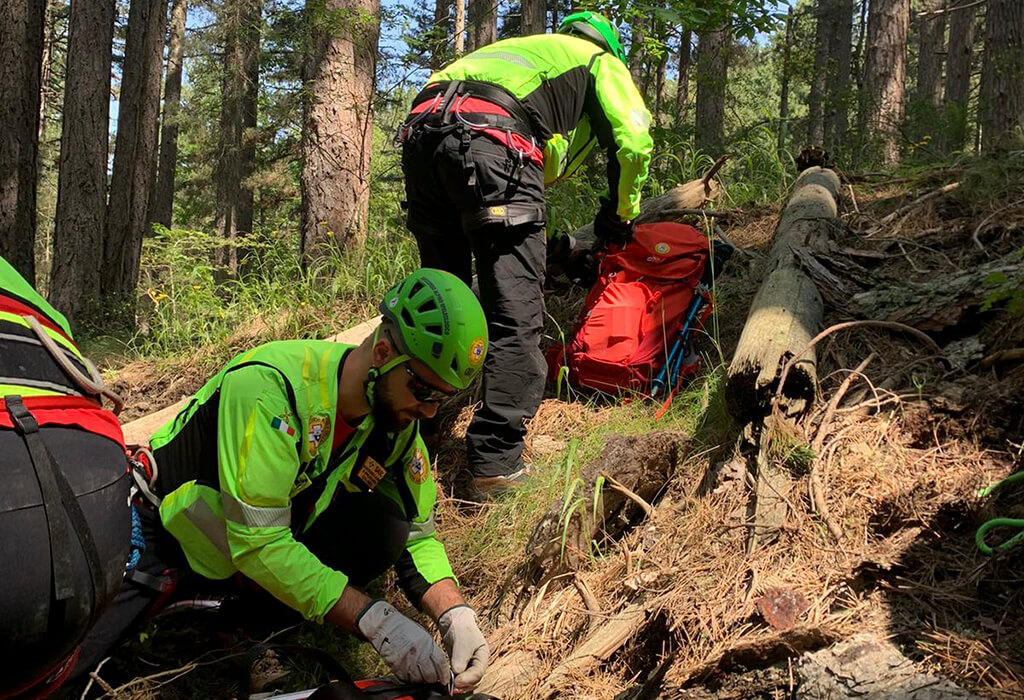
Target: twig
[[1002, 357], [833, 404], [647, 507], [979, 227], [892, 216], [93, 677], [909, 259], [947, 10], [107, 690], [714, 171], [892, 325], [853, 198], [710, 213], [589, 600]]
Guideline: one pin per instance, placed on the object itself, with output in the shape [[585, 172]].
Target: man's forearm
[[440, 597], [345, 612]]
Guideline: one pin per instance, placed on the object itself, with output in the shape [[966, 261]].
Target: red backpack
[[634, 332]]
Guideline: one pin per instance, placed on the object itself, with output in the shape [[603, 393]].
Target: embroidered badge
[[497, 211], [319, 431], [280, 424], [418, 470], [371, 473], [476, 351], [661, 248]]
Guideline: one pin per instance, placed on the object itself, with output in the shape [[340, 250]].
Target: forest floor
[[670, 601]]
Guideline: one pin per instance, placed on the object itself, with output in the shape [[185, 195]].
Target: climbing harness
[[1016, 523]]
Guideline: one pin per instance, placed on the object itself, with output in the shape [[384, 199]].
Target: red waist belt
[[69, 412]]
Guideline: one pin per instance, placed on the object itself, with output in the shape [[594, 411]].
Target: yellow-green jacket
[[249, 463], [577, 94]]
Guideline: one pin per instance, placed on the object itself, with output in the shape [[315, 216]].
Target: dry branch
[[787, 309]]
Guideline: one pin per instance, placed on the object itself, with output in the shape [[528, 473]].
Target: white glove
[[407, 648], [465, 645]]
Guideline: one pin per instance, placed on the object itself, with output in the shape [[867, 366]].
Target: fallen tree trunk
[[138, 431], [668, 207], [787, 311]]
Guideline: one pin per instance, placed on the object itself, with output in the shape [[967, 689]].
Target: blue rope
[[138, 541]]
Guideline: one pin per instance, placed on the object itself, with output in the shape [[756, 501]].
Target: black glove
[[609, 229], [558, 253], [581, 268]]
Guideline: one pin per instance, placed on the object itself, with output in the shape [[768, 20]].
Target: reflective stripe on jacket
[[247, 463]]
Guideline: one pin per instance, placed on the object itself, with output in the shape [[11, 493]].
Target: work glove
[[465, 645], [609, 229], [407, 648]]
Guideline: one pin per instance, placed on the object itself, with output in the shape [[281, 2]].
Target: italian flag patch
[[278, 424]]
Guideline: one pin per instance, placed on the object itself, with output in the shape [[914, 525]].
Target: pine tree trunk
[[659, 87], [784, 88], [460, 27], [1001, 103], [885, 72], [635, 57], [134, 152], [683, 85], [441, 30], [82, 182], [958, 72], [241, 23], [483, 23], [816, 96], [21, 53], [535, 15], [163, 194], [837, 81], [336, 136], [712, 73], [931, 47]]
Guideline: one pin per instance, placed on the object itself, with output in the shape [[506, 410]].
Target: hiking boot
[[486, 488]]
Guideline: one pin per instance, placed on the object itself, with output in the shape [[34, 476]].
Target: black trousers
[[361, 535], [470, 197]]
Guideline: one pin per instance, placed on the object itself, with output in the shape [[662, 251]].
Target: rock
[[869, 668]]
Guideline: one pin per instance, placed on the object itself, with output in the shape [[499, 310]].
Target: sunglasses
[[421, 391]]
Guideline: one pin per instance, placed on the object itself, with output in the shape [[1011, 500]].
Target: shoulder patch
[[419, 470], [319, 431]]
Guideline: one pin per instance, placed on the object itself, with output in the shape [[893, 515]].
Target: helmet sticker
[[392, 302], [418, 471], [476, 351]]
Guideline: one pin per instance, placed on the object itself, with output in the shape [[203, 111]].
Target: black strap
[[520, 121], [63, 512]]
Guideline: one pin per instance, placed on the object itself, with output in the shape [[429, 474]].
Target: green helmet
[[440, 323], [596, 28]]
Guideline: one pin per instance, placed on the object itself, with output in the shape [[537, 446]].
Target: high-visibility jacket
[[249, 461], [579, 94]]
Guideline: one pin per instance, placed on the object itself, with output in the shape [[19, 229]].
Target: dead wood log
[[787, 310], [595, 510], [597, 647], [688, 196], [508, 674], [761, 652], [138, 431], [941, 303]]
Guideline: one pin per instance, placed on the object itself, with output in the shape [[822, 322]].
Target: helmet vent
[[429, 305], [414, 289], [455, 366], [433, 329], [407, 318]]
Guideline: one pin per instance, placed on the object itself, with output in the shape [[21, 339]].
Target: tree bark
[[460, 27], [635, 57], [535, 15], [21, 54], [441, 31], [241, 26], [483, 23], [885, 72], [336, 137], [787, 310], [784, 89], [1001, 103], [659, 77], [958, 72], [837, 80], [683, 85], [134, 151], [931, 47], [82, 182], [712, 74], [163, 194], [816, 96]]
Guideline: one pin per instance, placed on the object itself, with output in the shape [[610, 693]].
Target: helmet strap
[[376, 373]]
